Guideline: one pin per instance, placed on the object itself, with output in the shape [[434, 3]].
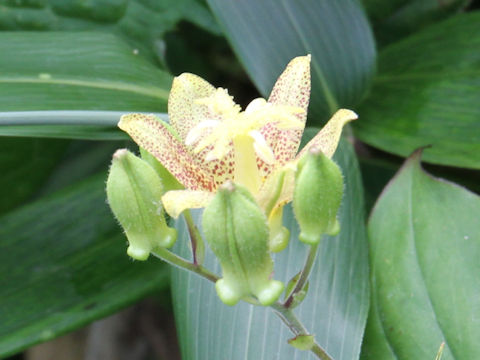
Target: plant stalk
[[175, 260], [307, 268], [198, 247], [283, 311], [297, 328]]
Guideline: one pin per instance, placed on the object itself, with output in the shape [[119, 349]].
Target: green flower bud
[[317, 196], [134, 191], [237, 231]]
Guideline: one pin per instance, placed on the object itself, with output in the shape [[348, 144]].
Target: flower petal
[[183, 111], [155, 136], [221, 169], [176, 201], [291, 89], [293, 86], [186, 110], [327, 138]]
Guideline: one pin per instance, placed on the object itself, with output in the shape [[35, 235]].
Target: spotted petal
[[291, 89], [183, 110], [154, 136], [221, 169], [176, 201], [293, 86], [327, 139]]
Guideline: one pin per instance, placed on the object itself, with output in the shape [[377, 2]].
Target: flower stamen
[[263, 150], [197, 131], [220, 102]]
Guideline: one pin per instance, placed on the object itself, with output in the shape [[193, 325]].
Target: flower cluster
[[243, 167]]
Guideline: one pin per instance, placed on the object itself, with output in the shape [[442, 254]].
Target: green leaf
[[425, 275], [334, 308], [63, 264], [25, 165], [395, 19], [266, 35], [302, 342], [81, 160], [141, 23], [426, 93], [77, 71]]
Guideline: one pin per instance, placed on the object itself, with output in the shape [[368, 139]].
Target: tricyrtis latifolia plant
[[242, 167]]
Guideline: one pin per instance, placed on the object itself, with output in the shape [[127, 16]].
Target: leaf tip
[[416, 156]]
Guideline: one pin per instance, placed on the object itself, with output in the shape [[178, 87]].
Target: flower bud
[[134, 191], [237, 231], [317, 196]]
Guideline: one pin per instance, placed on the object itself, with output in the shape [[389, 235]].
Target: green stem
[[283, 311], [180, 262], [198, 248], [297, 328], [64, 117], [307, 268]]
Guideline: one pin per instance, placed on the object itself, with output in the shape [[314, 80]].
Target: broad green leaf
[[25, 166], [141, 23], [63, 264], [81, 160], [334, 308], [426, 93], [267, 34], [395, 19], [424, 238], [378, 171], [77, 71]]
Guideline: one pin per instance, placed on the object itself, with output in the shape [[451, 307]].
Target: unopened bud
[[237, 231], [134, 191], [317, 196]]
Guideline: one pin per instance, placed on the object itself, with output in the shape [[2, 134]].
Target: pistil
[[246, 171]]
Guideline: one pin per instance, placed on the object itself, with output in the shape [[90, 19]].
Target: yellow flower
[[210, 140]]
